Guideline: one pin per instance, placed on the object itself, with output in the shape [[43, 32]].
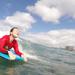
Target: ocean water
[[42, 61]]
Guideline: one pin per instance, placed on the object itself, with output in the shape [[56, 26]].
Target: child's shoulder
[[6, 36]]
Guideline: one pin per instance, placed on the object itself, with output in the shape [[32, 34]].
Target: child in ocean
[[8, 41]]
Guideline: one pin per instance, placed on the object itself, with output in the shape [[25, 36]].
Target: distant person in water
[[8, 41]]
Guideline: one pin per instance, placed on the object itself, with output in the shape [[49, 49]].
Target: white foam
[[32, 56]]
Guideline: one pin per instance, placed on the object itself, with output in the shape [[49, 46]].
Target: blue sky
[[9, 7]]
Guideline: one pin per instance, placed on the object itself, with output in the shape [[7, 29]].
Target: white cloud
[[20, 19], [46, 13], [2, 33], [53, 10], [54, 38]]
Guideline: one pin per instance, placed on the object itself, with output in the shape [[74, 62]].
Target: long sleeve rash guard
[[6, 45]]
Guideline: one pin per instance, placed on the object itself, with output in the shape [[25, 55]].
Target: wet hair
[[11, 30]]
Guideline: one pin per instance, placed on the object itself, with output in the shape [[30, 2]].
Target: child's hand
[[24, 57]]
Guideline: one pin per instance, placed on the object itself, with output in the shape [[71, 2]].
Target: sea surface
[[42, 61]]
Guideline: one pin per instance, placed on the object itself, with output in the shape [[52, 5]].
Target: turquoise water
[[42, 61]]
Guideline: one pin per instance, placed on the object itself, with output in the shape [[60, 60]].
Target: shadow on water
[[7, 67], [9, 63]]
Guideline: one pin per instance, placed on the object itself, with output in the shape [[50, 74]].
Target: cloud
[[53, 10], [20, 19], [54, 38], [46, 13], [2, 33]]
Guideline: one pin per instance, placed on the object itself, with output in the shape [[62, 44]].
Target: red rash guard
[[6, 45]]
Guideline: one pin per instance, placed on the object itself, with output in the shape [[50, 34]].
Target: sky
[[9, 7], [39, 18]]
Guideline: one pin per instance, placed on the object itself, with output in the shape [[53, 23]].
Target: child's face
[[15, 33]]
